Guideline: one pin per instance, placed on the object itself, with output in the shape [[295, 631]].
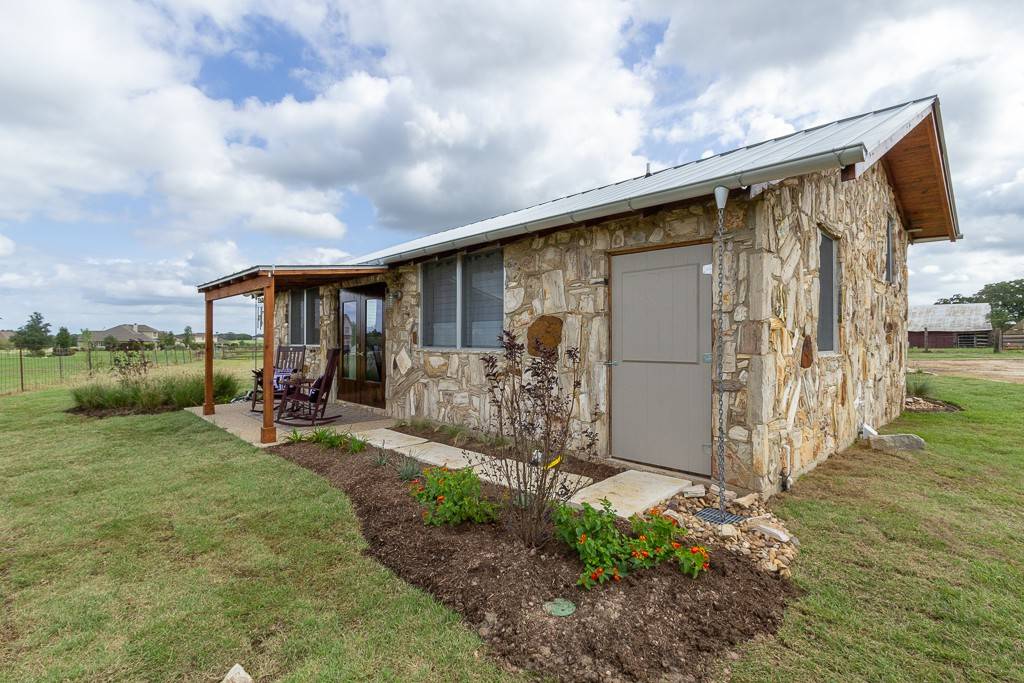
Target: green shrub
[[409, 469], [327, 437], [452, 497], [919, 384], [154, 393], [295, 436], [608, 554]]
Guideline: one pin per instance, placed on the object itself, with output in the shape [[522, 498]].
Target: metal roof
[[950, 318], [283, 269], [852, 141]]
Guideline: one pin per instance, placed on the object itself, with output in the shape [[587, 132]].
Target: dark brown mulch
[[654, 624], [595, 469], [100, 413]]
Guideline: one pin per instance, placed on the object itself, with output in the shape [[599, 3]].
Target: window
[[828, 295], [888, 251], [463, 300], [304, 317]]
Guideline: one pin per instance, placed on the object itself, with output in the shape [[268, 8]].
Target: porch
[[262, 282]]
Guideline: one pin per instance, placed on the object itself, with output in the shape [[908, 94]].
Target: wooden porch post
[[268, 434], [208, 361]]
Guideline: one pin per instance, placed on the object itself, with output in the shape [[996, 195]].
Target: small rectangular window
[[304, 317], [828, 295], [440, 303], [483, 298], [888, 251], [463, 300]]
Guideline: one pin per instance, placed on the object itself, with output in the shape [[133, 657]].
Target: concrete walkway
[[629, 492]]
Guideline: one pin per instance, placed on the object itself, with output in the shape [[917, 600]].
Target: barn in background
[[948, 326]]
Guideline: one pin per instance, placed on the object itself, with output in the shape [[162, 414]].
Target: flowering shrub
[[658, 538], [608, 554], [452, 497], [592, 533]]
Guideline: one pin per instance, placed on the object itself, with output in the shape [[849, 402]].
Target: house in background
[[950, 326], [129, 335], [814, 297]]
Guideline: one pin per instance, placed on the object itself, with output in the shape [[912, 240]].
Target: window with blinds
[[304, 317], [440, 302], [828, 295], [463, 300]]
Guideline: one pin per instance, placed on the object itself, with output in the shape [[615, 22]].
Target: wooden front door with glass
[[361, 317]]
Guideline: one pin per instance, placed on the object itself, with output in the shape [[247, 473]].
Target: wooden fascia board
[[940, 168], [241, 287]]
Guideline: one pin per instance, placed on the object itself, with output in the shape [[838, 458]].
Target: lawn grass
[[965, 354], [158, 547], [913, 566]]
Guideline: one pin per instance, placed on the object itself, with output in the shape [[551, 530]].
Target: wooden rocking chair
[[289, 360], [304, 400]]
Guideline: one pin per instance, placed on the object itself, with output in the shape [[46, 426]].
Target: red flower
[[705, 566], [642, 537], [675, 545], [440, 499], [583, 538]]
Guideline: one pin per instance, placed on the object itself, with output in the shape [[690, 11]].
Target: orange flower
[[653, 511], [583, 538], [694, 550], [642, 537], [675, 545], [705, 566], [600, 570], [440, 499], [616, 577], [645, 553]]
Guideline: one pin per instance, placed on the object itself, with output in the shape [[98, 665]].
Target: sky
[[146, 147]]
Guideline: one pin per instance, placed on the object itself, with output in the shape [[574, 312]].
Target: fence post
[[21, 368], [88, 359], [60, 367]]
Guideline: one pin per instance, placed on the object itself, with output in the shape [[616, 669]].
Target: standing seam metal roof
[[950, 318], [831, 145]]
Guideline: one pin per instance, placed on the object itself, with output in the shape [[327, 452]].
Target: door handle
[[611, 363]]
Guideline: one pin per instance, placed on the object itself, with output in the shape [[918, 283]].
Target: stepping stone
[[441, 455], [490, 470], [631, 492], [388, 438]]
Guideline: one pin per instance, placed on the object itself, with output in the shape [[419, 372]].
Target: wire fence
[[20, 370]]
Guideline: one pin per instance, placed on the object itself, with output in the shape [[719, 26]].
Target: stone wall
[[789, 418], [784, 416]]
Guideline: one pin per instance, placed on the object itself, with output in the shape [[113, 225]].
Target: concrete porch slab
[[490, 471], [631, 492], [237, 419], [388, 438], [441, 455]]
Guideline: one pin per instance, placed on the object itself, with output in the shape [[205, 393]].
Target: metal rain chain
[[720, 516]]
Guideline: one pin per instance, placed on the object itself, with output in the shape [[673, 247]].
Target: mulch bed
[[594, 469], [653, 625], [100, 413]]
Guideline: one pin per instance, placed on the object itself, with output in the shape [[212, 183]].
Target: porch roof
[[254, 278]]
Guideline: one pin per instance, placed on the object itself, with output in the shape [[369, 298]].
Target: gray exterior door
[[661, 351]]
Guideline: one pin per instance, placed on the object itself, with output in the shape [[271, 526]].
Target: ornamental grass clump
[[608, 554], [452, 497], [136, 393], [533, 396]]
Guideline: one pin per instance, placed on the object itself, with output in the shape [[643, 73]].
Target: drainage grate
[[716, 516]]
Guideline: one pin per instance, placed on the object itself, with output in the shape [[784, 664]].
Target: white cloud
[[6, 246]]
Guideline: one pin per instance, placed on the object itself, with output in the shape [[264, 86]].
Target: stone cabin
[[814, 296]]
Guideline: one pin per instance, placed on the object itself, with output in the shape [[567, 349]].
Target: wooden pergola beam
[[241, 287]]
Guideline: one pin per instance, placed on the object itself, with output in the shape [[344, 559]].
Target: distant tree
[[85, 340], [62, 340], [167, 340], [34, 335], [235, 336], [110, 342], [188, 339]]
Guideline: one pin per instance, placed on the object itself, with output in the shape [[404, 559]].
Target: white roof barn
[[950, 318]]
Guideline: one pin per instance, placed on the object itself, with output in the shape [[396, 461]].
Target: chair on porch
[[304, 400], [289, 360]]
